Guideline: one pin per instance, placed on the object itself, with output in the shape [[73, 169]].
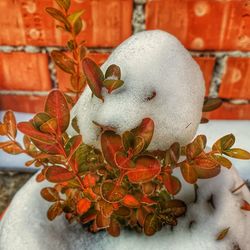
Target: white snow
[[25, 226], [149, 61]]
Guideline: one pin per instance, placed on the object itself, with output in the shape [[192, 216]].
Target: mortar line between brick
[[48, 49]]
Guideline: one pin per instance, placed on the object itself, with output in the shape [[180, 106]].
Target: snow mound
[[25, 225], [150, 61]]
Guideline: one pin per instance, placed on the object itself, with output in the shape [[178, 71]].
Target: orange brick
[[24, 71], [22, 103], [64, 78], [236, 79], [230, 111], [106, 22], [203, 24], [207, 65]]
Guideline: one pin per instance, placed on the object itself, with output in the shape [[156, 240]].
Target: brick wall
[[217, 33]]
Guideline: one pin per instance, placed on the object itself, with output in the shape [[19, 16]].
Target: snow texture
[[150, 61], [25, 226]]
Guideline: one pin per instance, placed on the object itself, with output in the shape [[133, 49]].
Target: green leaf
[[50, 194], [74, 124], [94, 76], [28, 129], [113, 72], [146, 168], [223, 161], [75, 16], [151, 224], [64, 4], [111, 143], [224, 143], [59, 16], [40, 118], [112, 85], [58, 174], [145, 130], [50, 126], [237, 153], [196, 147], [111, 192], [211, 104], [56, 106], [77, 28], [222, 234], [188, 173], [64, 62], [128, 139]]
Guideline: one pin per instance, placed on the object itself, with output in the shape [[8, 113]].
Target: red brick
[[64, 78], [24, 71], [22, 103], [203, 24], [106, 22], [230, 111], [207, 65], [236, 79]]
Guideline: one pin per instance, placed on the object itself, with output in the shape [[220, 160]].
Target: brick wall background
[[217, 33]]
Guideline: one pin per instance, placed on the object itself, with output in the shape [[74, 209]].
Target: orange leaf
[[89, 180], [54, 211], [188, 173], [13, 148], [223, 234], [130, 201], [28, 129], [102, 221], [245, 205], [172, 184], [10, 122], [111, 143], [196, 147], [50, 194], [57, 107], [148, 201], [58, 174], [83, 206], [49, 127], [94, 76], [3, 129], [146, 168], [145, 130], [114, 228]]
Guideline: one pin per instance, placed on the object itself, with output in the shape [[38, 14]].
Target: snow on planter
[[26, 227], [162, 82]]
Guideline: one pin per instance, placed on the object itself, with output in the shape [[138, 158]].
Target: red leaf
[[114, 228], [28, 129], [145, 130], [57, 106], [47, 148], [102, 221], [58, 174], [89, 180], [49, 127], [10, 122], [122, 161], [111, 143], [83, 206], [148, 201], [245, 206], [130, 201], [146, 168], [94, 76], [172, 184]]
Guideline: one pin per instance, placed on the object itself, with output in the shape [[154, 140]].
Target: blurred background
[[216, 32]]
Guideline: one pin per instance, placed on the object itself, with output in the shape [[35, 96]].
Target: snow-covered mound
[[150, 61], [25, 226]]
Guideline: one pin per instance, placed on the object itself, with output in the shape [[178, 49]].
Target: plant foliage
[[122, 184]]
